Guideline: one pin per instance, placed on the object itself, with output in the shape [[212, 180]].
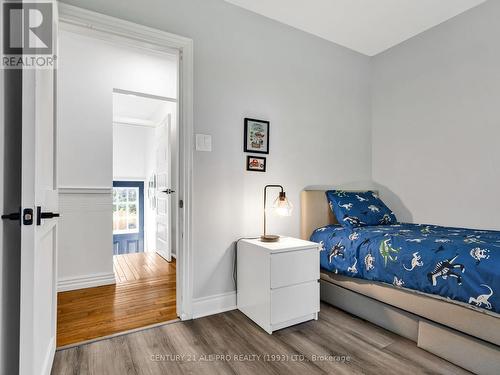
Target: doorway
[[144, 173], [128, 217], [143, 251], [153, 236]]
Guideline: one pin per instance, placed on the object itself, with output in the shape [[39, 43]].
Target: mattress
[[454, 263]]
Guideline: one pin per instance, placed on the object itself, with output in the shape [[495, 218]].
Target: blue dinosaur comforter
[[455, 263]]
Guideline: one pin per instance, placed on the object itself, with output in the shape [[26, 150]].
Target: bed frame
[[466, 336]]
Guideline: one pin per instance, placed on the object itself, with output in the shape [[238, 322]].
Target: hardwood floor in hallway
[[144, 294]]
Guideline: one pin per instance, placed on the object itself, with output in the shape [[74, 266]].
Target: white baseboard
[[82, 282], [214, 304]]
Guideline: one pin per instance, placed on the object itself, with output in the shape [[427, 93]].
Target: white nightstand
[[278, 282]]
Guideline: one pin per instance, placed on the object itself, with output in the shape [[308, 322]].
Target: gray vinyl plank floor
[[230, 343]]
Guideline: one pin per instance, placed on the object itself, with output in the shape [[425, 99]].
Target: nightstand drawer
[[294, 267], [294, 301]]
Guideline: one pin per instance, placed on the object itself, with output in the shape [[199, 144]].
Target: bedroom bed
[[433, 285]]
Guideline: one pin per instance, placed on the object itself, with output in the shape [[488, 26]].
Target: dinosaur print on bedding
[[387, 251], [446, 268], [483, 298], [458, 264], [337, 251], [415, 262]]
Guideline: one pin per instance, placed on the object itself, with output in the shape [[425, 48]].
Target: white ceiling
[[366, 26], [138, 110]]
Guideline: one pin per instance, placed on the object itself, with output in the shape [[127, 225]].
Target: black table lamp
[[281, 207]]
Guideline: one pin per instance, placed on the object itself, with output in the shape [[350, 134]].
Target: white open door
[[38, 300], [164, 190]]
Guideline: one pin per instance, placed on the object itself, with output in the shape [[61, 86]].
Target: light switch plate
[[203, 142]]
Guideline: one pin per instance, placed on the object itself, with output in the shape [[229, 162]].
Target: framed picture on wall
[[256, 163], [256, 136]]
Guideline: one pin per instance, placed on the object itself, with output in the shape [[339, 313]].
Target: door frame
[[115, 30]]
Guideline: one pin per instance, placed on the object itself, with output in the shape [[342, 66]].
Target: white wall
[[85, 239], [436, 122], [315, 94], [131, 152], [86, 82]]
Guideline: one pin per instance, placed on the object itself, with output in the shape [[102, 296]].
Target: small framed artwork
[[256, 136], [256, 163]]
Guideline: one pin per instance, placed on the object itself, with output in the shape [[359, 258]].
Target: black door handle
[[169, 191], [49, 215], [15, 216], [44, 215]]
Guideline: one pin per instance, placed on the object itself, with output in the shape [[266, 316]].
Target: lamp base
[[270, 238]]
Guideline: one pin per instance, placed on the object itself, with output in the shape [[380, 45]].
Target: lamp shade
[[282, 205]]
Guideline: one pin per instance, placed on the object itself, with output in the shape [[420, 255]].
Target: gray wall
[[436, 122], [315, 94]]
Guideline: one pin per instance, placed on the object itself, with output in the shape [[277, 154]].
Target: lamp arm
[[265, 201]]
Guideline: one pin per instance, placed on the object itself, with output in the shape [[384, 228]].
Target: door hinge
[[181, 203]]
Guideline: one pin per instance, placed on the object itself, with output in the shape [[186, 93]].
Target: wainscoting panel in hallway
[[144, 295]]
